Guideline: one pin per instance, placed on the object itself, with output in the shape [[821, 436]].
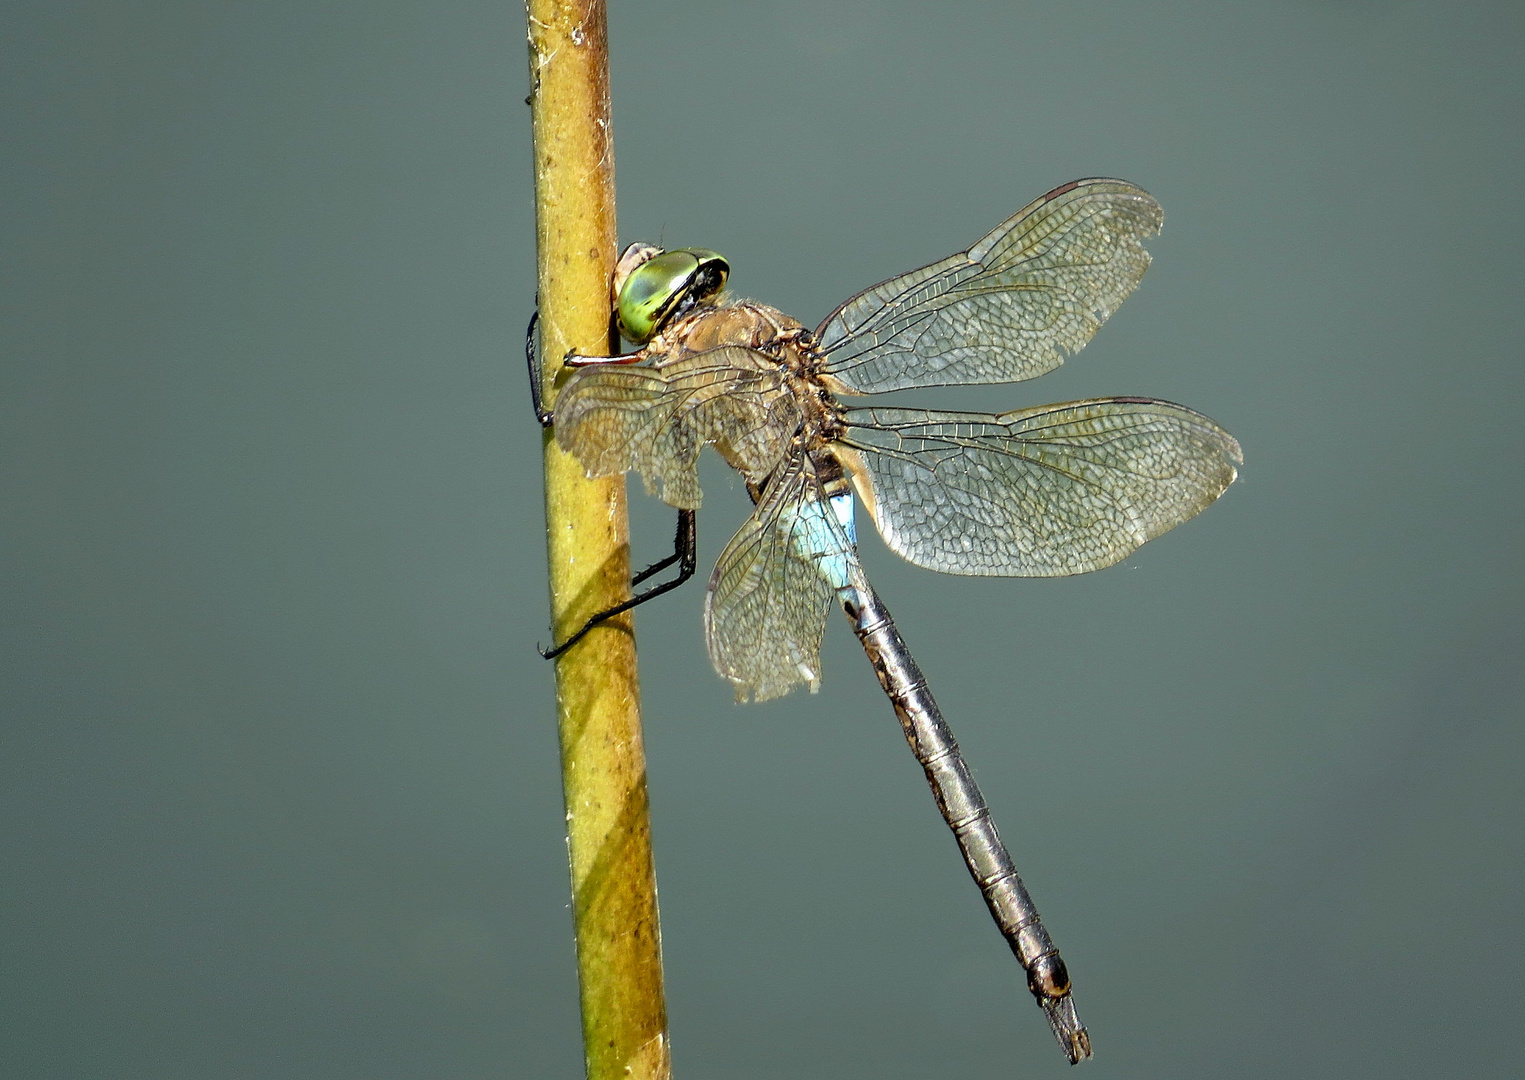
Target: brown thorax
[[777, 340]]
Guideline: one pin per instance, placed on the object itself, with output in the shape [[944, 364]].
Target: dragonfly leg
[[532, 357], [537, 373], [575, 360], [685, 554], [684, 550]]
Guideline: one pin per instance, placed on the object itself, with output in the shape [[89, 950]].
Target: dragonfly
[[1037, 492]]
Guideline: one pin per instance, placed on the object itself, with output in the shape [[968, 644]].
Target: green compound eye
[[667, 284]]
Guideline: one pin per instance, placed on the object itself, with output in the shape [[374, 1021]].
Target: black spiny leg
[[685, 544], [685, 552], [532, 356]]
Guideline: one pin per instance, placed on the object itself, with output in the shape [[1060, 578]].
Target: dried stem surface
[[603, 761]]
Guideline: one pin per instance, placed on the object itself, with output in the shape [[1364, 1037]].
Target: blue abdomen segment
[[824, 533]]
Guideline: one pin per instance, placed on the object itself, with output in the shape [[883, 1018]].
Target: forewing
[[654, 419], [1043, 492], [1011, 307], [767, 603]]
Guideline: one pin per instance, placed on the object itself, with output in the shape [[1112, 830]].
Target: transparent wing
[[769, 597], [1011, 307], [654, 419], [1043, 492]]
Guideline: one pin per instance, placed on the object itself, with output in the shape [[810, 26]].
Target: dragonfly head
[[652, 286]]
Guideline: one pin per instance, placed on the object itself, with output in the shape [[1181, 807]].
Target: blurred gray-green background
[[279, 792]]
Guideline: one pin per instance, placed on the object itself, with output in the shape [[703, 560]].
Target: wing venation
[[766, 607], [1045, 492], [1011, 307], [654, 419]]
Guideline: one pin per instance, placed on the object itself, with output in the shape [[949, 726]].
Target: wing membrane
[[1044, 492], [1011, 307], [768, 600], [654, 419]]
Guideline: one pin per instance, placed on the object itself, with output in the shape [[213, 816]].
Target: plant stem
[[603, 764]]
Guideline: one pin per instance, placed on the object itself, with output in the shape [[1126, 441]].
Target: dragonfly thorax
[[724, 321], [777, 343]]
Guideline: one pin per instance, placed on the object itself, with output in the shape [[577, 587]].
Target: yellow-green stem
[[603, 763]]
